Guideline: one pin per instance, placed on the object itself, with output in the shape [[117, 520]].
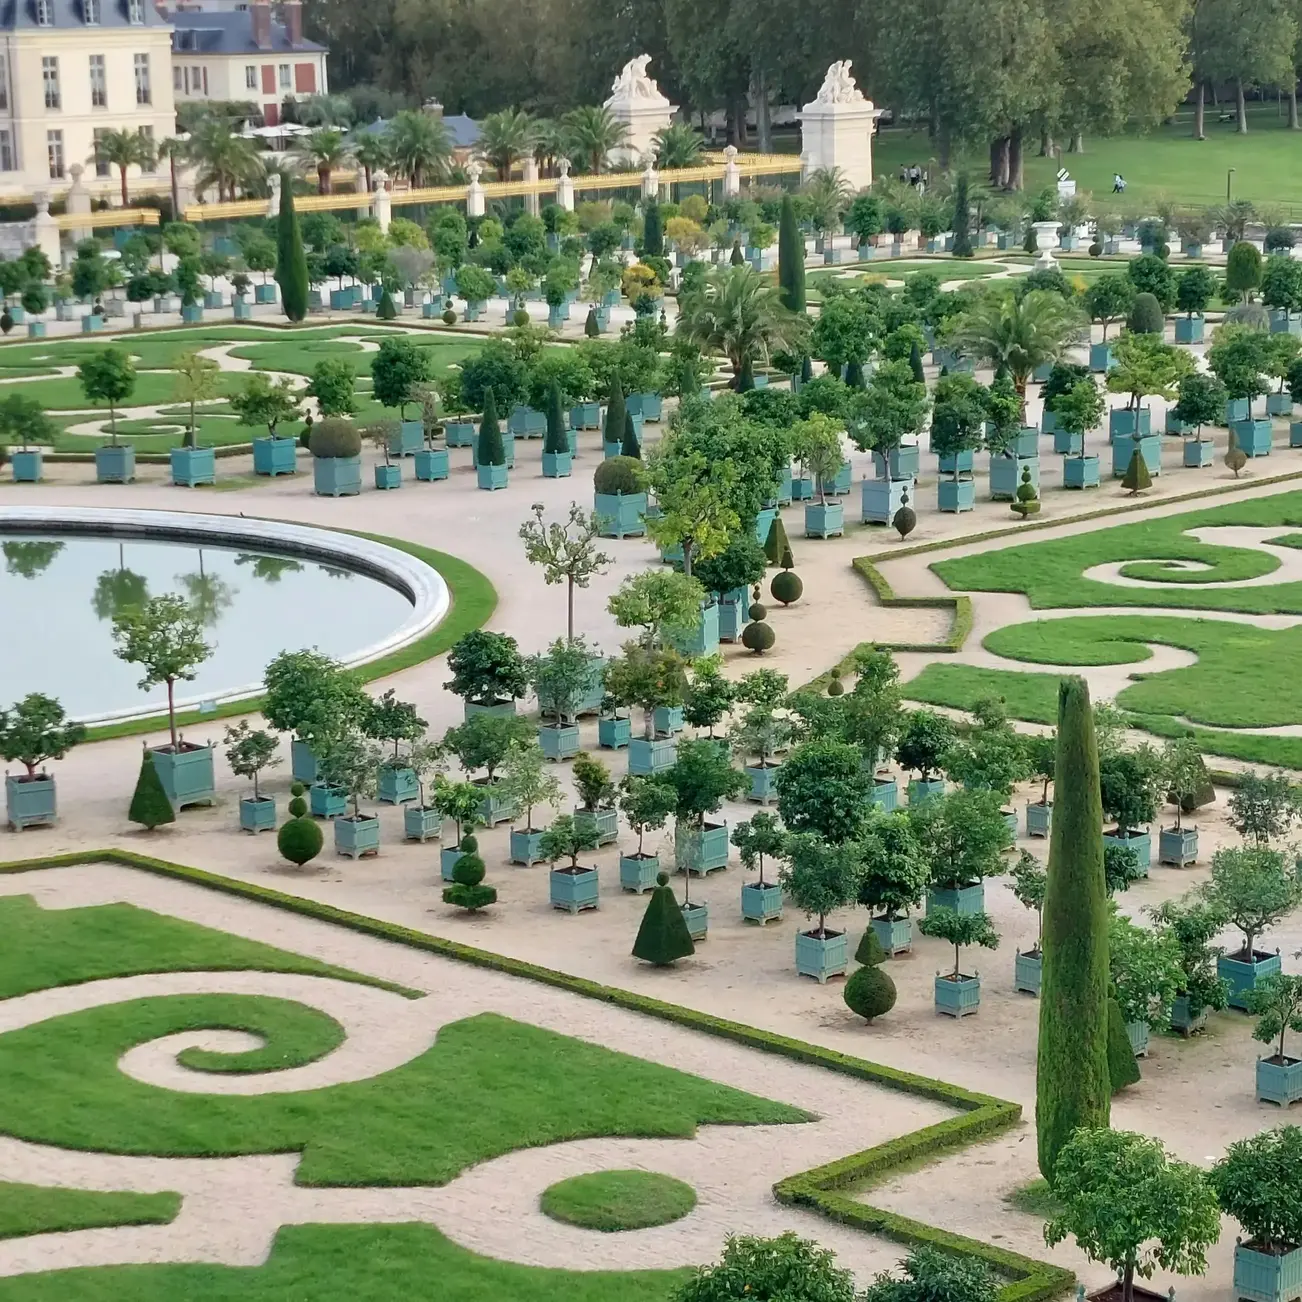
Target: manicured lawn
[[65, 393], [348, 1263], [301, 356], [159, 435], [618, 1200], [294, 1034], [36, 1209]]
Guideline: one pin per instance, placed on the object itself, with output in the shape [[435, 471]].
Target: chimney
[[260, 14], [432, 108], [292, 12]]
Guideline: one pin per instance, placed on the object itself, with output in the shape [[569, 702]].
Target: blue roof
[[207, 32], [464, 130], [67, 15]]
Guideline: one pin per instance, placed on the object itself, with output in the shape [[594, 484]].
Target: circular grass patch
[[618, 1200]]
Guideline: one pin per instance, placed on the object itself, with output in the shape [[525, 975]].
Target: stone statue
[[839, 86], [635, 83], [474, 171], [563, 166]]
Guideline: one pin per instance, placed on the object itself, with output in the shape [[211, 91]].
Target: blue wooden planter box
[[824, 520], [1266, 1276], [557, 465], [1048, 422], [459, 433], [1279, 320], [903, 462], [258, 815], [732, 619], [764, 522], [526, 847], [91, 323], [1174, 425], [407, 439], [30, 802], [36, 329], [508, 447], [341, 299], [1101, 361], [637, 873], [622, 514], [1177, 846], [822, 956], [213, 300], [763, 783], [1150, 448], [1254, 437], [396, 786], [1236, 409], [1279, 1082], [761, 904], [421, 823], [697, 919], [612, 449], [704, 639], [881, 498], [1042, 372], [1080, 472], [275, 456], [1183, 1020], [387, 476], [785, 488], [1241, 977], [840, 485], [920, 791], [491, 477], [614, 733], [701, 852], [559, 743], [186, 776], [357, 837], [1189, 330], [494, 808], [326, 801], [1137, 1033], [302, 763], [647, 757], [191, 466], [1010, 822], [956, 495], [647, 405], [605, 822], [115, 464], [667, 720], [27, 466], [431, 464], [557, 315], [497, 709], [264, 293], [1295, 434], [448, 856], [1199, 452], [191, 313], [526, 422], [958, 462], [1067, 444], [1129, 421], [895, 935], [885, 794], [958, 998], [573, 891], [314, 300], [1140, 842], [1279, 404], [1027, 972], [802, 488], [1026, 443], [956, 363], [432, 309], [1006, 476], [1039, 819], [967, 900], [585, 415], [337, 476]]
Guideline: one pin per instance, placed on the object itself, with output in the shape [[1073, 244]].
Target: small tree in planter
[[663, 938], [702, 779], [567, 551], [263, 402], [397, 371], [664, 604], [458, 803], [1259, 1182], [963, 834], [249, 750], [1144, 966], [956, 992], [761, 834], [652, 679], [646, 804], [468, 890], [1128, 785], [482, 742], [1263, 807], [32, 731], [350, 761], [924, 738], [198, 379], [525, 784], [1192, 924], [108, 376], [150, 806], [762, 732], [309, 695], [567, 838], [487, 670], [1277, 1004], [894, 874], [821, 876], [822, 787], [692, 492], [394, 722], [1041, 755], [1127, 1203], [709, 695], [990, 756], [1030, 883], [596, 793], [1187, 784], [561, 678]]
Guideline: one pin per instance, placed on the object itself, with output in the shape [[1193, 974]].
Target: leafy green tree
[[758, 836], [1259, 1182], [1150, 274], [198, 379], [932, 1275], [23, 421], [821, 876], [396, 372], [35, 730], [249, 750], [567, 551], [1193, 924], [823, 788], [1145, 969], [1145, 365], [1128, 785], [309, 695], [485, 740], [960, 930], [692, 494], [925, 737], [487, 668], [332, 385], [991, 756], [662, 937], [1072, 1081], [646, 804], [702, 778], [108, 376], [1243, 270], [568, 837], [1263, 807], [1252, 888], [895, 867], [490, 450], [262, 402], [1276, 1001], [150, 806], [1108, 299], [963, 835], [1194, 290], [664, 604], [1201, 401]]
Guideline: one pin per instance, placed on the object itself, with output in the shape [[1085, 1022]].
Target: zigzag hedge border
[[980, 1115]]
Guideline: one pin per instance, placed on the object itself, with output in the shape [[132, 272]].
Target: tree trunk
[[171, 712], [1128, 1283], [571, 606], [323, 180], [944, 148], [1077, 143], [122, 176], [763, 123], [933, 118], [1241, 109], [1016, 178], [1200, 111], [1292, 107], [1046, 144], [999, 161]]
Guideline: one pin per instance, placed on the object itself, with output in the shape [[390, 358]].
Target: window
[[54, 152], [284, 76], [4, 83], [6, 150], [150, 167], [196, 80], [135, 12], [98, 83], [90, 12], [101, 163], [50, 76], [176, 79], [44, 13], [250, 77], [143, 93]]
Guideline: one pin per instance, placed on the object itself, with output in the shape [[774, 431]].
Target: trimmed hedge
[[981, 1114]]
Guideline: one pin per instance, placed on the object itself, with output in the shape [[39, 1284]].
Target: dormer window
[[44, 13], [90, 12], [135, 12]]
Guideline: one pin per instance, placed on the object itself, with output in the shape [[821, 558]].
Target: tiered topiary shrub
[[467, 890], [869, 991]]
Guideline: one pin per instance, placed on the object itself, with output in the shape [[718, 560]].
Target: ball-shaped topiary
[[297, 807], [786, 587], [519, 318], [757, 636], [1146, 316], [449, 316], [836, 687], [869, 992], [299, 840], [620, 476], [468, 844], [662, 879], [758, 611], [335, 437], [1096, 249]]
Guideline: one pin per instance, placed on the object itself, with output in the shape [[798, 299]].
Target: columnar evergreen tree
[[556, 440], [291, 260], [1072, 1080], [653, 238], [962, 220], [791, 259], [490, 451], [615, 412], [630, 447]]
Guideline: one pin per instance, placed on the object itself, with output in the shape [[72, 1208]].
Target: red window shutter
[[271, 114], [268, 78], [305, 78]]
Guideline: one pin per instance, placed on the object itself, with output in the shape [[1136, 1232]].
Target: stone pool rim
[[418, 581]]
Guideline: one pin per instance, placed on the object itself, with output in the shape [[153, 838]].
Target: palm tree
[[224, 159], [324, 111], [419, 145], [592, 132], [736, 313], [372, 153], [124, 149], [549, 144], [828, 195], [1019, 334], [505, 138], [678, 145], [176, 149], [323, 150]]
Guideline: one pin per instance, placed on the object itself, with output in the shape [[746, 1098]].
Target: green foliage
[[989, 757], [1151, 275], [1137, 477], [620, 476], [758, 836], [1243, 269], [646, 804], [1252, 888], [1202, 400], [924, 738], [396, 371], [784, 1269], [1146, 317], [960, 930], [467, 890], [1072, 1081], [485, 740], [662, 937], [868, 991], [1145, 970], [618, 1200], [568, 837], [291, 260], [664, 604], [150, 806], [1259, 1182], [791, 259], [1276, 1001], [249, 750], [1263, 807], [165, 638], [1192, 925], [108, 376], [1238, 357], [932, 1275], [35, 730], [332, 385], [299, 840], [261, 402], [1108, 299], [1194, 290], [556, 441], [335, 437], [822, 788], [490, 450], [309, 694], [821, 876], [1123, 1067], [1128, 781]]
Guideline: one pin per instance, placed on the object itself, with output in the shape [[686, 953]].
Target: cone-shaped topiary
[[150, 806], [291, 258], [1123, 1069], [613, 430], [776, 545], [791, 258], [806, 369], [870, 951], [653, 236], [663, 936], [490, 451], [1072, 1085], [736, 258], [757, 636], [1026, 503], [786, 587], [556, 440], [630, 447], [386, 309], [905, 520], [915, 363], [590, 326], [299, 840], [1137, 478], [854, 375], [467, 890]]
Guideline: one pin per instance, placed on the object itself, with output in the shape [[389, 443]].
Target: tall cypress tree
[[556, 439], [490, 451], [1072, 1086], [653, 236], [791, 259], [291, 260], [962, 220], [614, 431], [630, 446]]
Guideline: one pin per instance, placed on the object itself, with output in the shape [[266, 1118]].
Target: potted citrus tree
[[646, 804], [1144, 965], [1188, 785], [488, 673], [1277, 1003], [336, 447], [482, 742], [266, 404], [420, 820], [964, 835], [33, 731], [573, 887], [620, 499], [307, 695], [597, 794], [458, 803], [759, 836], [1030, 882], [762, 732], [395, 723], [821, 877], [1193, 924], [1128, 783], [560, 679], [526, 785], [924, 738], [894, 874], [350, 762], [957, 993], [249, 750]]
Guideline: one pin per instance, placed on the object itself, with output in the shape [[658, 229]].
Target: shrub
[[787, 1268], [519, 318], [449, 316], [663, 936], [150, 806], [335, 437], [1123, 1070], [1259, 1183], [299, 840], [786, 587], [620, 477], [467, 890], [869, 992], [757, 636], [1146, 316]]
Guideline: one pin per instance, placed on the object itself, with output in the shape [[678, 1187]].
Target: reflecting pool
[[58, 598]]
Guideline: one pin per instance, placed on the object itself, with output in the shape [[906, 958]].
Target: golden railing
[[79, 221]]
